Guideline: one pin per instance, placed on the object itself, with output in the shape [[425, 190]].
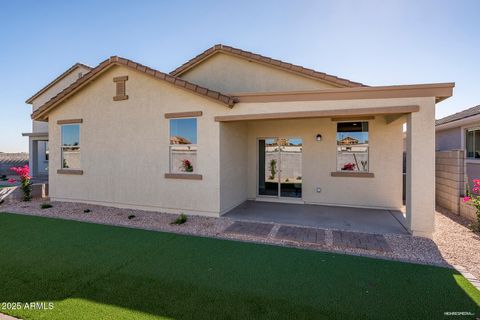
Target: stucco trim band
[[320, 113], [186, 176], [352, 174], [353, 118], [70, 171], [187, 114], [70, 121], [440, 91]]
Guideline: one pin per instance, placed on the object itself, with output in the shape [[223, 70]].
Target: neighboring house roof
[[57, 79], [40, 113], [179, 140], [459, 115], [219, 48], [349, 140]]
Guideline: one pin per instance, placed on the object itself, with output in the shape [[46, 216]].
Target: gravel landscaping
[[453, 243]]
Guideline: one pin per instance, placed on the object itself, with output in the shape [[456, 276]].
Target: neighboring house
[[38, 138], [461, 131], [215, 132]]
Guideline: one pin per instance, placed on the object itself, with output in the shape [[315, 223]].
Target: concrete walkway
[[326, 217]]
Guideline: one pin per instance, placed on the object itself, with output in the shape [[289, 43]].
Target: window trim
[[63, 123], [464, 140], [182, 175], [352, 173]]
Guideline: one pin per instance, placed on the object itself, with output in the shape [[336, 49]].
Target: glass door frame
[[257, 158]]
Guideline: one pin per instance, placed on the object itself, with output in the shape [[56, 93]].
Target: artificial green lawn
[[102, 272]]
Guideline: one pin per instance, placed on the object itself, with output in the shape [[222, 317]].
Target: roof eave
[[41, 114], [289, 67], [56, 80]]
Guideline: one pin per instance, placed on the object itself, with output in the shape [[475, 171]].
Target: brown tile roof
[[459, 115], [57, 79], [40, 113], [265, 60]]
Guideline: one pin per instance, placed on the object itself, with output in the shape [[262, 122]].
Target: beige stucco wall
[[319, 160], [124, 147], [226, 73]]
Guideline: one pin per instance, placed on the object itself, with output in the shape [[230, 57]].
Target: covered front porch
[[38, 154], [335, 169], [378, 221]]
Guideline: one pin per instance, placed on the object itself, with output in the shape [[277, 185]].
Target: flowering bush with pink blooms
[[475, 201], [26, 186]]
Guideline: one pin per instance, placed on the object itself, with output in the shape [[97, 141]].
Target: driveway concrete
[[318, 216]]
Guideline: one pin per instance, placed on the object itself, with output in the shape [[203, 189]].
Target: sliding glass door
[[280, 167]]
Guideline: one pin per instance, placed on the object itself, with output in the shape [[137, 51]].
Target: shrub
[[3, 177], [26, 186], [475, 200], [182, 218], [130, 217], [45, 206]]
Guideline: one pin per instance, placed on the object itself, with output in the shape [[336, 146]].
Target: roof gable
[[273, 63], [42, 112], [58, 79]]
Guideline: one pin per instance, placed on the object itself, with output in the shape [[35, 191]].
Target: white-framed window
[[472, 143], [352, 146], [183, 145], [70, 146]]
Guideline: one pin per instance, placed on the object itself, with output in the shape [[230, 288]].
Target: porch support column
[[33, 156], [420, 185]]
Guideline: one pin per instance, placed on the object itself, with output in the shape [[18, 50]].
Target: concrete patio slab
[[250, 228], [318, 216]]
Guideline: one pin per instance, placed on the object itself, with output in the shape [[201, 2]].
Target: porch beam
[[358, 112], [392, 117]]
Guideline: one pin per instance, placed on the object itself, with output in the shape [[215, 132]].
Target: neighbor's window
[[352, 146], [472, 143], [183, 145], [71, 146]]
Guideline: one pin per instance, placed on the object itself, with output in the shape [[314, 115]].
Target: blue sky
[[374, 42]]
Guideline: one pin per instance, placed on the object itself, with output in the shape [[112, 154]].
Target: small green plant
[[87, 211], [45, 206], [364, 164], [130, 217], [273, 169], [182, 218]]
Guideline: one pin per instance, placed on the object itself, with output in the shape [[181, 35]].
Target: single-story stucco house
[[461, 131], [230, 125]]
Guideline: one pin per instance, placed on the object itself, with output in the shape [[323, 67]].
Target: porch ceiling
[[359, 112]]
